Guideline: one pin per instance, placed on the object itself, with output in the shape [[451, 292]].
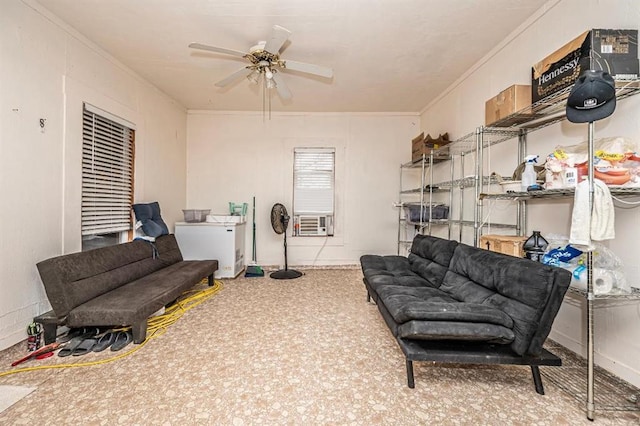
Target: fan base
[[285, 274]]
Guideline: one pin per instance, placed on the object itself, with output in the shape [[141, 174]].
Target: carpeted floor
[[301, 352]]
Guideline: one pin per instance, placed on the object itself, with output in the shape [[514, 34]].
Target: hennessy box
[[613, 51], [506, 244], [510, 100]]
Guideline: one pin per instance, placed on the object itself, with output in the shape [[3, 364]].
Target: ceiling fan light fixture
[[270, 84], [254, 77]]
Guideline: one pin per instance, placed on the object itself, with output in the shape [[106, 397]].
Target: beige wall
[[461, 109], [234, 156], [47, 71]]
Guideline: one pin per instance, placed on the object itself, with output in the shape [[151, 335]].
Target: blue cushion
[[149, 215]]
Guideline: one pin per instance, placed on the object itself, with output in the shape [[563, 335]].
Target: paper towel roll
[[603, 280]]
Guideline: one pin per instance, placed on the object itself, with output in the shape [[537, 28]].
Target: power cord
[[156, 326], [326, 239]]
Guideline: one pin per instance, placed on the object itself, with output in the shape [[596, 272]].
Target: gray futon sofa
[[120, 285], [450, 302]]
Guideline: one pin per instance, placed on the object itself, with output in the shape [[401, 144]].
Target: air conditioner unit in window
[[313, 225]]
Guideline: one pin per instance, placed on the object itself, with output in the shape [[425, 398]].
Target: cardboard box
[[613, 51], [510, 100], [421, 145], [416, 146], [506, 244]]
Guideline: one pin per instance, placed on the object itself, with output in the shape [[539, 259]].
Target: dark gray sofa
[[119, 285], [450, 302]]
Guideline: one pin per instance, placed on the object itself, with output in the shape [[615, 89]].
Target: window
[[107, 178], [313, 191]]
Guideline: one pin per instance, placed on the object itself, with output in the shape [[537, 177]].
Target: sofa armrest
[[556, 295]]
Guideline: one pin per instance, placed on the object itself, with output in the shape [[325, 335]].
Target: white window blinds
[[314, 180], [107, 174]]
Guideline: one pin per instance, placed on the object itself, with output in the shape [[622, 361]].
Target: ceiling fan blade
[[278, 37], [281, 87], [235, 76], [308, 68], [200, 46]]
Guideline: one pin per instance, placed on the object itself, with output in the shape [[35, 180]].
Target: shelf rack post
[[452, 170], [422, 182], [430, 192], [477, 220], [461, 205], [400, 213], [521, 206], [590, 294]]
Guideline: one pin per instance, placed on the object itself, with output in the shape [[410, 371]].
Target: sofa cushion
[[380, 271], [430, 257], [149, 216], [488, 278], [139, 299], [437, 249], [386, 265], [430, 304], [451, 330]]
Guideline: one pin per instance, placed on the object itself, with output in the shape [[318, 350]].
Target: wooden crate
[[507, 244]]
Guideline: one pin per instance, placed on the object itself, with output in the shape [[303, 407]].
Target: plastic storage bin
[[194, 215], [439, 211]]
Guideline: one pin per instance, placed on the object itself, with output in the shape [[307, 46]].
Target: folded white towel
[[597, 225], [581, 218], [603, 215]]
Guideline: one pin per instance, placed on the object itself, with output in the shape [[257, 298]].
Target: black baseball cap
[[592, 98]]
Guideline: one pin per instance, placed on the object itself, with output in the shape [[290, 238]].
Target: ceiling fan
[[266, 64]]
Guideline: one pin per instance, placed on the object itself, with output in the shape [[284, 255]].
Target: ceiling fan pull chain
[[269, 96]]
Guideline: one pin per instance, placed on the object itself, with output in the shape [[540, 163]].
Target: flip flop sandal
[[105, 341], [84, 347], [123, 338], [83, 332], [90, 332], [74, 332], [70, 346]]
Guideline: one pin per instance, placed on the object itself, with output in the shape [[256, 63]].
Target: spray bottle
[[529, 173]]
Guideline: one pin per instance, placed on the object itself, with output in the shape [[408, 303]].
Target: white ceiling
[[387, 55]]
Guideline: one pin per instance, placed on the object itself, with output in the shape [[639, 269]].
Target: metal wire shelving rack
[[541, 114]]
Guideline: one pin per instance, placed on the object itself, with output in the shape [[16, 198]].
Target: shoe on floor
[[105, 341], [70, 346], [84, 347], [83, 332], [123, 338], [73, 332]]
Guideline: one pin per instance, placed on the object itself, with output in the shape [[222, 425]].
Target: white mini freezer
[[223, 242]]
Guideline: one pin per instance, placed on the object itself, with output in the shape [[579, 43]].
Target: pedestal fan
[[279, 222]]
